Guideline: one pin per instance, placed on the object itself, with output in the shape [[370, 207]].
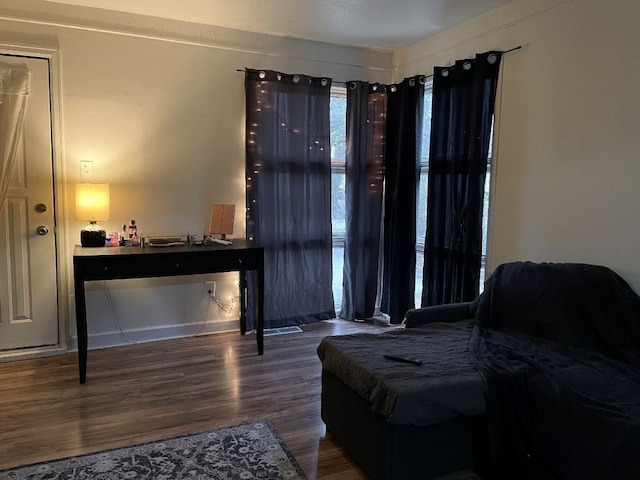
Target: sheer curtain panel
[[366, 122], [14, 91], [288, 181], [461, 121]]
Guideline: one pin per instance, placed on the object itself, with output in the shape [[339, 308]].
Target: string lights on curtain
[[378, 111], [262, 104], [288, 207]]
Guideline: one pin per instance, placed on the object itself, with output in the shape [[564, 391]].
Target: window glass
[[338, 119], [421, 207]]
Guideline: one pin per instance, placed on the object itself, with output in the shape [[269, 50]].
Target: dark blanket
[[444, 386], [559, 347]]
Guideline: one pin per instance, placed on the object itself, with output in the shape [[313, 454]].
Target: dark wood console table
[[111, 263]]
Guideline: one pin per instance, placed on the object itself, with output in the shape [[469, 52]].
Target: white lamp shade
[[92, 201]]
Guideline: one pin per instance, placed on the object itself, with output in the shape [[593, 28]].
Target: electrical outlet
[[210, 288], [86, 169]]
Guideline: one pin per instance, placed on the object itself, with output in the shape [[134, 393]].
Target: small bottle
[[114, 239], [123, 235], [133, 229]]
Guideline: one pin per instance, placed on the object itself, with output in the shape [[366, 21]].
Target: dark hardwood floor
[[146, 392]]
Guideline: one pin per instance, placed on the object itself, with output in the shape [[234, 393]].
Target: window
[[338, 113], [421, 220], [421, 208], [338, 121]]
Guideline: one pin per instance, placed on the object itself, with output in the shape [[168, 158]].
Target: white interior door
[[28, 277]]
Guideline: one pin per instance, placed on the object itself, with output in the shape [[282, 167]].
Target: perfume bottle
[[133, 229], [123, 235], [133, 234]]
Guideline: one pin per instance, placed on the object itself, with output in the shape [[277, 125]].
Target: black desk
[[110, 263]]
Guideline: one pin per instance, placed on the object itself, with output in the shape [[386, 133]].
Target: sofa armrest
[[450, 312]]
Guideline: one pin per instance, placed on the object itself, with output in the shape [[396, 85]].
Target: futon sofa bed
[[538, 378]]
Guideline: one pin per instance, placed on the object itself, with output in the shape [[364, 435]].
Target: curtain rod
[[503, 52], [513, 49], [426, 76]]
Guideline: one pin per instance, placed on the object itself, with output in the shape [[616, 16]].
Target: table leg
[[81, 325], [243, 301], [260, 307]]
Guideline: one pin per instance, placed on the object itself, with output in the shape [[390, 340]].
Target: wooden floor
[[151, 391]]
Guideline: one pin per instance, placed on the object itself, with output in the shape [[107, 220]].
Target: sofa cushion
[[444, 386]]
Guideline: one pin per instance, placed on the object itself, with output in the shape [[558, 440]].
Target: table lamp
[[92, 205]]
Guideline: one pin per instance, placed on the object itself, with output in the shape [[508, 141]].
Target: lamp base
[[93, 236]]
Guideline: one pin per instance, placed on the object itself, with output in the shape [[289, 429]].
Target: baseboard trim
[[29, 353], [128, 337]]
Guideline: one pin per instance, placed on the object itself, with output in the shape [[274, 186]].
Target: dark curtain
[[402, 166], [462, 115], [366, 107], [288, 178]]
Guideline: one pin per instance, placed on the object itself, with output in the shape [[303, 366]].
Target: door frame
[[62, 264]]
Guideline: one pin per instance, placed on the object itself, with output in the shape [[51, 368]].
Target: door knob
[[42, 230]]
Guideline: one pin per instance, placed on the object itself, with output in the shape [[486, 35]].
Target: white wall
[[162, 119], [567, 183]]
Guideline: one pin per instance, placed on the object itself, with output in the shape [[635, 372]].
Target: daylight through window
[[338, 108]]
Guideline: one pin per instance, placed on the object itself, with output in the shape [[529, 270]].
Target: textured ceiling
[[384, 24]]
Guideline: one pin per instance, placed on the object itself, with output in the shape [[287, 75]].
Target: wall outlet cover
[[86, 169]]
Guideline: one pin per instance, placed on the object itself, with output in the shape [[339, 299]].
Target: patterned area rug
[[244, 452]]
